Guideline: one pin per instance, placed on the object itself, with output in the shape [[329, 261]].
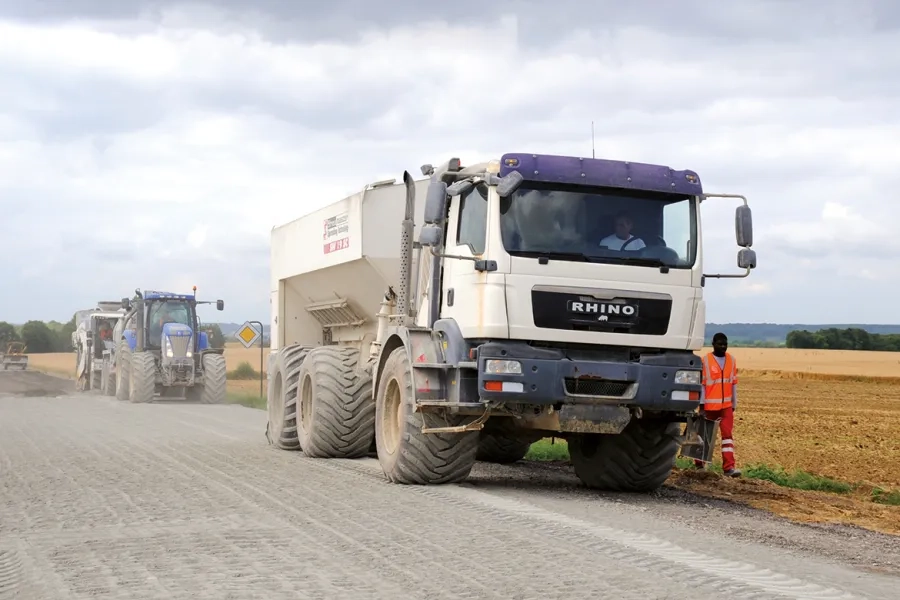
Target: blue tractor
[[160, 349]]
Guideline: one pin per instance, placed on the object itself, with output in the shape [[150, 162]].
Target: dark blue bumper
[[612, 377]]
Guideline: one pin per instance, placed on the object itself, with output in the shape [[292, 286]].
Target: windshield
[[600, 225], [169, 312]]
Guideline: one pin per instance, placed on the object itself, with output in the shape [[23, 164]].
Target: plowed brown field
[[832, 413]]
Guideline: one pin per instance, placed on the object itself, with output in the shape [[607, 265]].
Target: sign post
[[247, 335]]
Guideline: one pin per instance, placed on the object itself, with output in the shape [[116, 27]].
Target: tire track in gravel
[[739, 579], [140, 501], [644, 549], [136, 450], [12, 576], [453, 576]]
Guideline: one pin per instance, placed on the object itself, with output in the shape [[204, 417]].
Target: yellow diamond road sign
[[247, 334]]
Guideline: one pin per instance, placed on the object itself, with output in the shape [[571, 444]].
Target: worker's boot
[[733, 472]]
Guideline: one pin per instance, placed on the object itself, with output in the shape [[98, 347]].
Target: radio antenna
[[592, 141]]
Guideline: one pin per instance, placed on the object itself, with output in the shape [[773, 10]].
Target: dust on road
[[33, 383], [101, 498]]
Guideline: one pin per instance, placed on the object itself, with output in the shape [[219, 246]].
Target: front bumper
[[178, 371], [554, 376]]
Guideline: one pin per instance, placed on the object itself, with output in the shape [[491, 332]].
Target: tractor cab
[[168, 316]]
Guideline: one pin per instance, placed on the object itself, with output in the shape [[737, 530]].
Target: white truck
[[526, 297], [92, 339]]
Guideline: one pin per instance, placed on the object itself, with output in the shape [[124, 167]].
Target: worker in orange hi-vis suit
[[718, 397]]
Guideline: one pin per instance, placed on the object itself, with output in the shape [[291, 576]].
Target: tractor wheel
[[123, 370], [281, 397], [407, 455], [337, 414], [639, 459], [143, 378], [214, 382]]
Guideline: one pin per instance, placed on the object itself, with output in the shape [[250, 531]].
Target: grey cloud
[[61, 108], [789, 20]]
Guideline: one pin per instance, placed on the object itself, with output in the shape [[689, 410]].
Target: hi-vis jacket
[[718, 382]]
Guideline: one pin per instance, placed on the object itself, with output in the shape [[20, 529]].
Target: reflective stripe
[[728, 441], [728, 450]]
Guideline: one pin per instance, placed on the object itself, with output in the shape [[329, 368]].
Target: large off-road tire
[[143, 378], [503, 445], [214, 382], [281, 397], [96, 379], [123, 370], [502, 442], [337, 413], [108, 385], [639, 459], [407, 455]]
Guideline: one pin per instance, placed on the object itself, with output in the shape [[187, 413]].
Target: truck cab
[[575, 281]]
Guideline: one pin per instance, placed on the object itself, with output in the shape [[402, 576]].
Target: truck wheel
[[143, 378], [337, 414], [109, 381], [214, 382], [407, 455], [281, 397], [96, 379], [639, 459], [501, 448], [123, 370], [502, 442]]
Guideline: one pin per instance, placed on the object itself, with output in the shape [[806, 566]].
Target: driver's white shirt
[[614, 242]]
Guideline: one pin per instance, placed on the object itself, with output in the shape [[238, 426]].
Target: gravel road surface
[[105, 499]]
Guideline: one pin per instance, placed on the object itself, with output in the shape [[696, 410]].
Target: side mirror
[[126, 303], [509, 184], [431, 236], [220, 305], [746, 258], [743, 226], [460, 187], [436, 202]]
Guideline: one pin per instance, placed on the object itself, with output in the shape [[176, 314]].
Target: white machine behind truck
[[517, 314], [92, 340]]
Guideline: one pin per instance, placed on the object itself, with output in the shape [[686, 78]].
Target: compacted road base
[[105, 499]]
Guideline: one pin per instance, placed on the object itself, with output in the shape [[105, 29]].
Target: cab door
[[463, 286]]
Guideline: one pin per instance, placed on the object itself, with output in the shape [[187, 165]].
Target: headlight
[[503, 367], [687, 377], [169, 352]]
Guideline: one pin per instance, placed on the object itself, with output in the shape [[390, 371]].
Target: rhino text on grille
[[602, 308]]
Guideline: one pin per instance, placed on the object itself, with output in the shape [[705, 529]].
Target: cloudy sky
[[155, 143]]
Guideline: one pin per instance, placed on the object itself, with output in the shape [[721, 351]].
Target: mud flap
[[699, 438]]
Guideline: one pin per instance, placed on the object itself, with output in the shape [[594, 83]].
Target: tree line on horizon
[[851, 338]]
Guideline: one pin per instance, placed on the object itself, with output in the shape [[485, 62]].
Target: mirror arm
[[705, 196], [438, 255], [746, 273]]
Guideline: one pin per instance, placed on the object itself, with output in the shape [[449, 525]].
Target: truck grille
[[550, 310], [596, 387], [180, 345]]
